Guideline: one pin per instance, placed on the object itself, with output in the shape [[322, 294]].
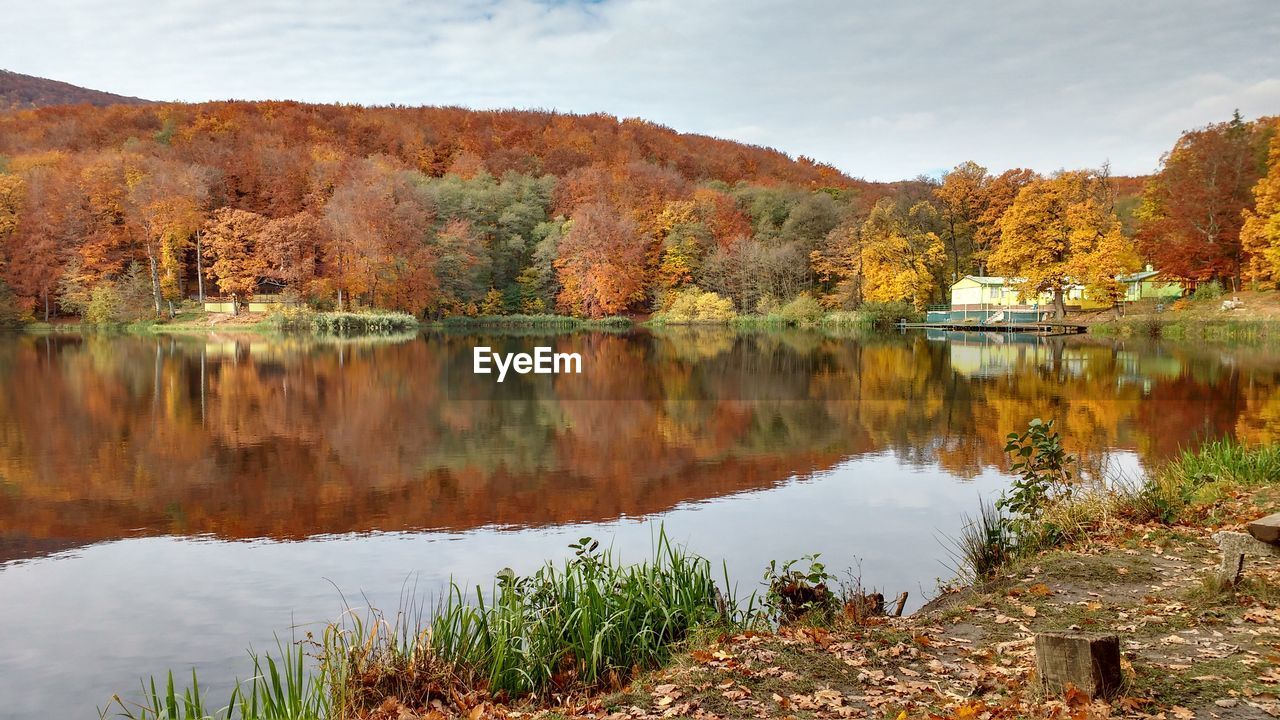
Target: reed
[[1224, 461], [984, 546], [586, 623]]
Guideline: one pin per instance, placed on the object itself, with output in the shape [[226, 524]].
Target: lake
[[168, 502]]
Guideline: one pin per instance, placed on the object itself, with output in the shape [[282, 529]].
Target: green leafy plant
[[793, 593], [1045, 472]]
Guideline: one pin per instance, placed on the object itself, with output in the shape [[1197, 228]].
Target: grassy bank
[[1200, 317], [591, 623], [1196, 329]]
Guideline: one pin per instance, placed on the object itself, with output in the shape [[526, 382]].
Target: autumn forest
[[125, 212]]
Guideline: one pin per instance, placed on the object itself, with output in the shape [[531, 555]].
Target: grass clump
[[590, 622], [985, 545], [346, 323], [1049, 505], [886, 314]]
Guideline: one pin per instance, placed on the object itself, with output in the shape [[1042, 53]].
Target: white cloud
[[881, 90]]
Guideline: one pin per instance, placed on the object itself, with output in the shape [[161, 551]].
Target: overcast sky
[[883, 90]]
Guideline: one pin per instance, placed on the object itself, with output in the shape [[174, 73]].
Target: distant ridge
[[18, 92]]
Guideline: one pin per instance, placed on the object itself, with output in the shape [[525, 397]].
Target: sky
[[882, 90]]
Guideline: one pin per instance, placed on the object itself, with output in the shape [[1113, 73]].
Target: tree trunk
[[955, 255], [235, 305], [199, 266], [46, 304], [1059, 304], [339, 299], [155, 281]]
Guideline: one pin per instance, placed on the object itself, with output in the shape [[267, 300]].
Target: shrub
[[292, 317], [1211, 290], [11, 315], [710, 307], [692, 305], [1150, 327], [494, 303], [803, 310], [105, 305], [768, 305], [885, 314]]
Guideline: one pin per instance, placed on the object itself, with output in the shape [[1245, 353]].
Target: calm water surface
[[166, 503]]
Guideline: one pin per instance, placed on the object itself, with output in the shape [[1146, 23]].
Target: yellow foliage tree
[[902, 255], [12, 191], [1062, 231], [493, 303], [1260, 236]]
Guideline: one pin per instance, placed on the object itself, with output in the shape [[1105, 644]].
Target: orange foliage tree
[[601, 261]]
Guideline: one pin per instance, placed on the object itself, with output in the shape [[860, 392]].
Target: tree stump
[[1088, 661]]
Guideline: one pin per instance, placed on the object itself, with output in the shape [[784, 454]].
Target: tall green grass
[[1225, 461], [344, 323], [1195, 477]]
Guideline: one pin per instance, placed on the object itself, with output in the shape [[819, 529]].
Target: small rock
[[1226, 702]]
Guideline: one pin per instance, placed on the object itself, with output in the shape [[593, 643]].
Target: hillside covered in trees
[[18, 91], [124, 212]]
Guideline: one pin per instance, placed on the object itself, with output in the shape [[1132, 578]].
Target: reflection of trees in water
[[245, 438]]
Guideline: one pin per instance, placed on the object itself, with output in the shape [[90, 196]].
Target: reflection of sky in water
[[150, 604]]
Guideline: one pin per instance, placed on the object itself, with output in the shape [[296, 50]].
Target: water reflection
[[104, 438]]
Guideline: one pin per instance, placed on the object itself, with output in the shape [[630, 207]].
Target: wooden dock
[[1043, 327]]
